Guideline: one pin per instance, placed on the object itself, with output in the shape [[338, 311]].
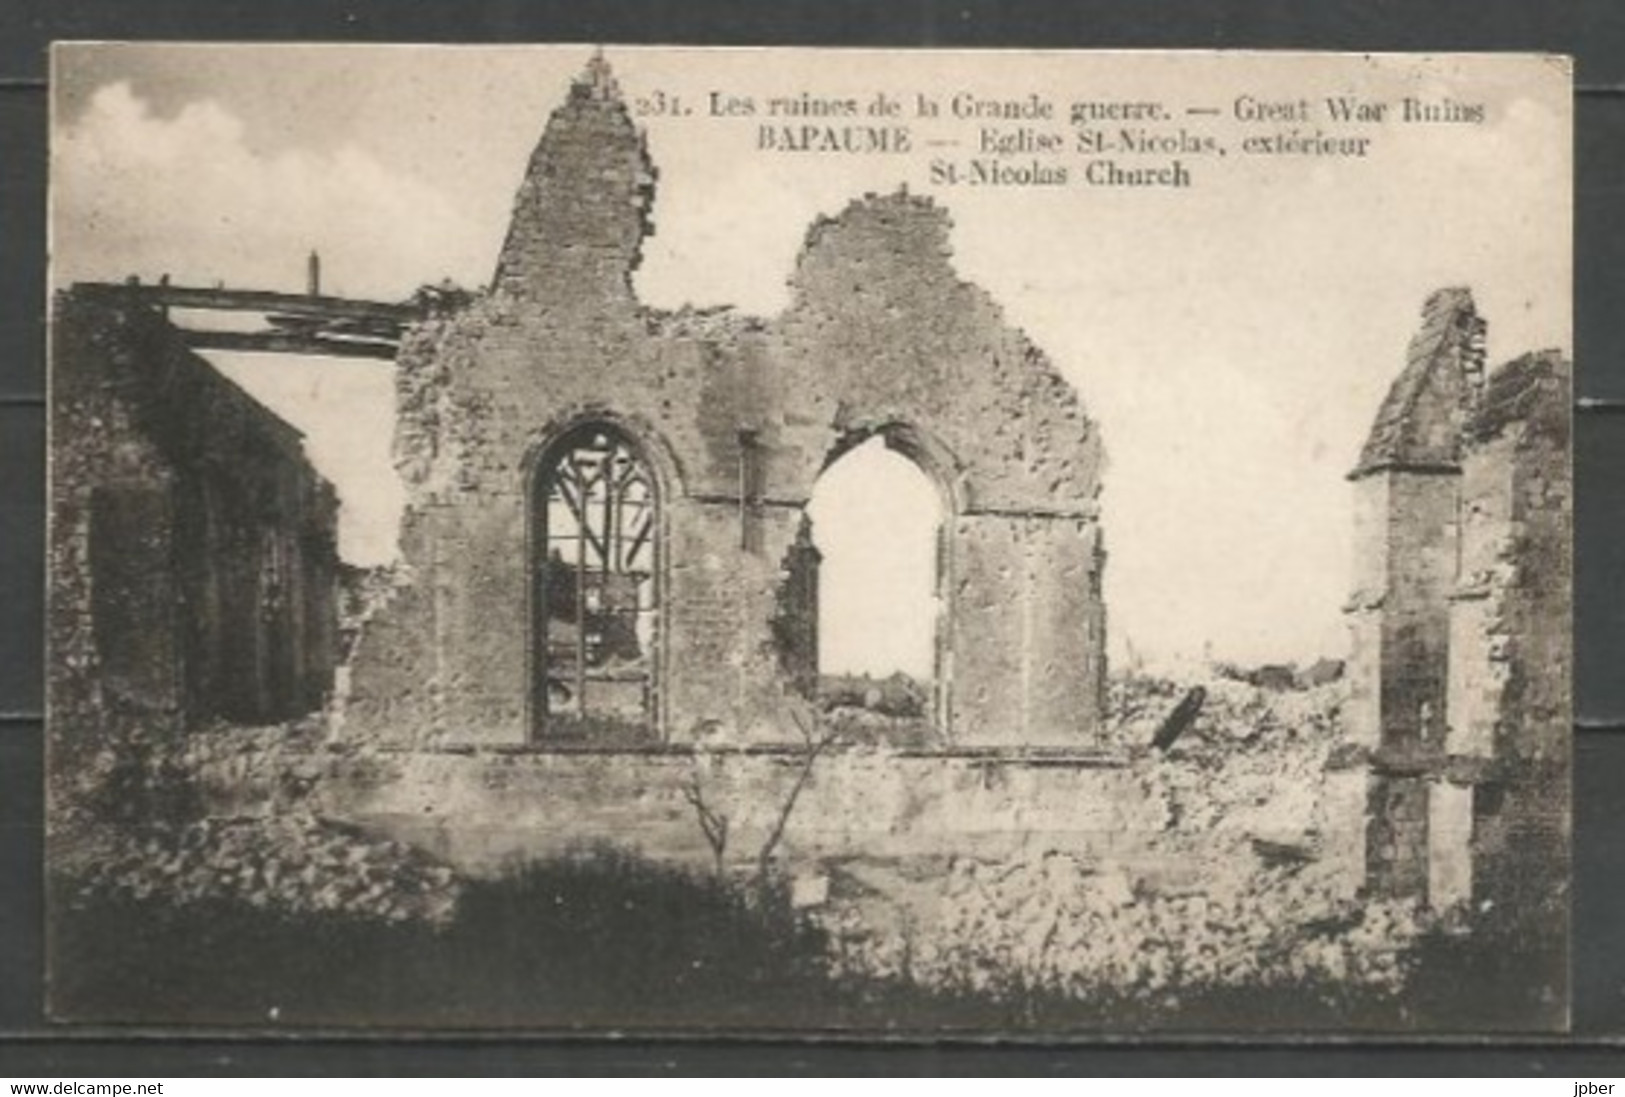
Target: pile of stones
[[1232, 891], [295, 864], [1057, 925]]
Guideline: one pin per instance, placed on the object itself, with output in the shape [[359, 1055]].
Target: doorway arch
[[879, 517]]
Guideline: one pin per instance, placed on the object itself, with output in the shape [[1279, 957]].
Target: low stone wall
[[484, 810], [1256, 769]]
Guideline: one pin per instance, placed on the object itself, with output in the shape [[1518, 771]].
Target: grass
[[605, 941], [611, 942]]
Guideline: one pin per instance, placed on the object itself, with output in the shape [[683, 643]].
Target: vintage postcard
[[735, 541]]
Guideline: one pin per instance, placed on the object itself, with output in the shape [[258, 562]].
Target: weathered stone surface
[[1419, 425], [193, 556], [736, 417], [1461, 659], [482, 809], [1406, 530], [1511, 659]]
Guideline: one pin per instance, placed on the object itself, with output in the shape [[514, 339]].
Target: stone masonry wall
[[1511, 656], [1460, 663], [737, 417], [1406, 490], [1407, 487], [484, 809], [487, 810], [192, 546]]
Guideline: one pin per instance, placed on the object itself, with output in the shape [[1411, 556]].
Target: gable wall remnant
[[737, 416]]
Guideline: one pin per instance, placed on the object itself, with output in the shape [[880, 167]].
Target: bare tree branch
[[816, 739], [713, 824]]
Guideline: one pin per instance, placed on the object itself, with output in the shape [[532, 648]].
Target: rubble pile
[[1253, 759], [1233, 891], [294, 864], [1053, 924], [279, 854]]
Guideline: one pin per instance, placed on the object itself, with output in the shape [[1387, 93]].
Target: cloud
[[188, 195]]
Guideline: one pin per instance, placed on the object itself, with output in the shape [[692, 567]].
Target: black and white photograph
[[608, 539]]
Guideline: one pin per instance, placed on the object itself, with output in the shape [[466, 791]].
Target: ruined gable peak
[[1420, 424], [582, 211], [597, 80], [878, 242]]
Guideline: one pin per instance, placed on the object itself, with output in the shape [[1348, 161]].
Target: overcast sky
[[1233, 340]]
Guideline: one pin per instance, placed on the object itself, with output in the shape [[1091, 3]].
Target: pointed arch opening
[[596, 550], [878, 518]]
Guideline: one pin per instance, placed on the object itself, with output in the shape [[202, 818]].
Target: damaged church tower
[[605, 540], [1461, 658]]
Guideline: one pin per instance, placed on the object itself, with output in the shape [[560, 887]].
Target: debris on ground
[[297, 864]]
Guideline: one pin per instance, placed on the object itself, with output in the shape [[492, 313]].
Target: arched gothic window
[[595, 569]]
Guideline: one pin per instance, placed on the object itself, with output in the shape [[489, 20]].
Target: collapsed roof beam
[[308, 324], [285, 304], [289, 342]]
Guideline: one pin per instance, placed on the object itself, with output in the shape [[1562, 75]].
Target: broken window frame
[[599, 479]]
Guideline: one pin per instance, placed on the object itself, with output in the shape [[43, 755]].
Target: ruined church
[[606, 532], [609, 588]]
